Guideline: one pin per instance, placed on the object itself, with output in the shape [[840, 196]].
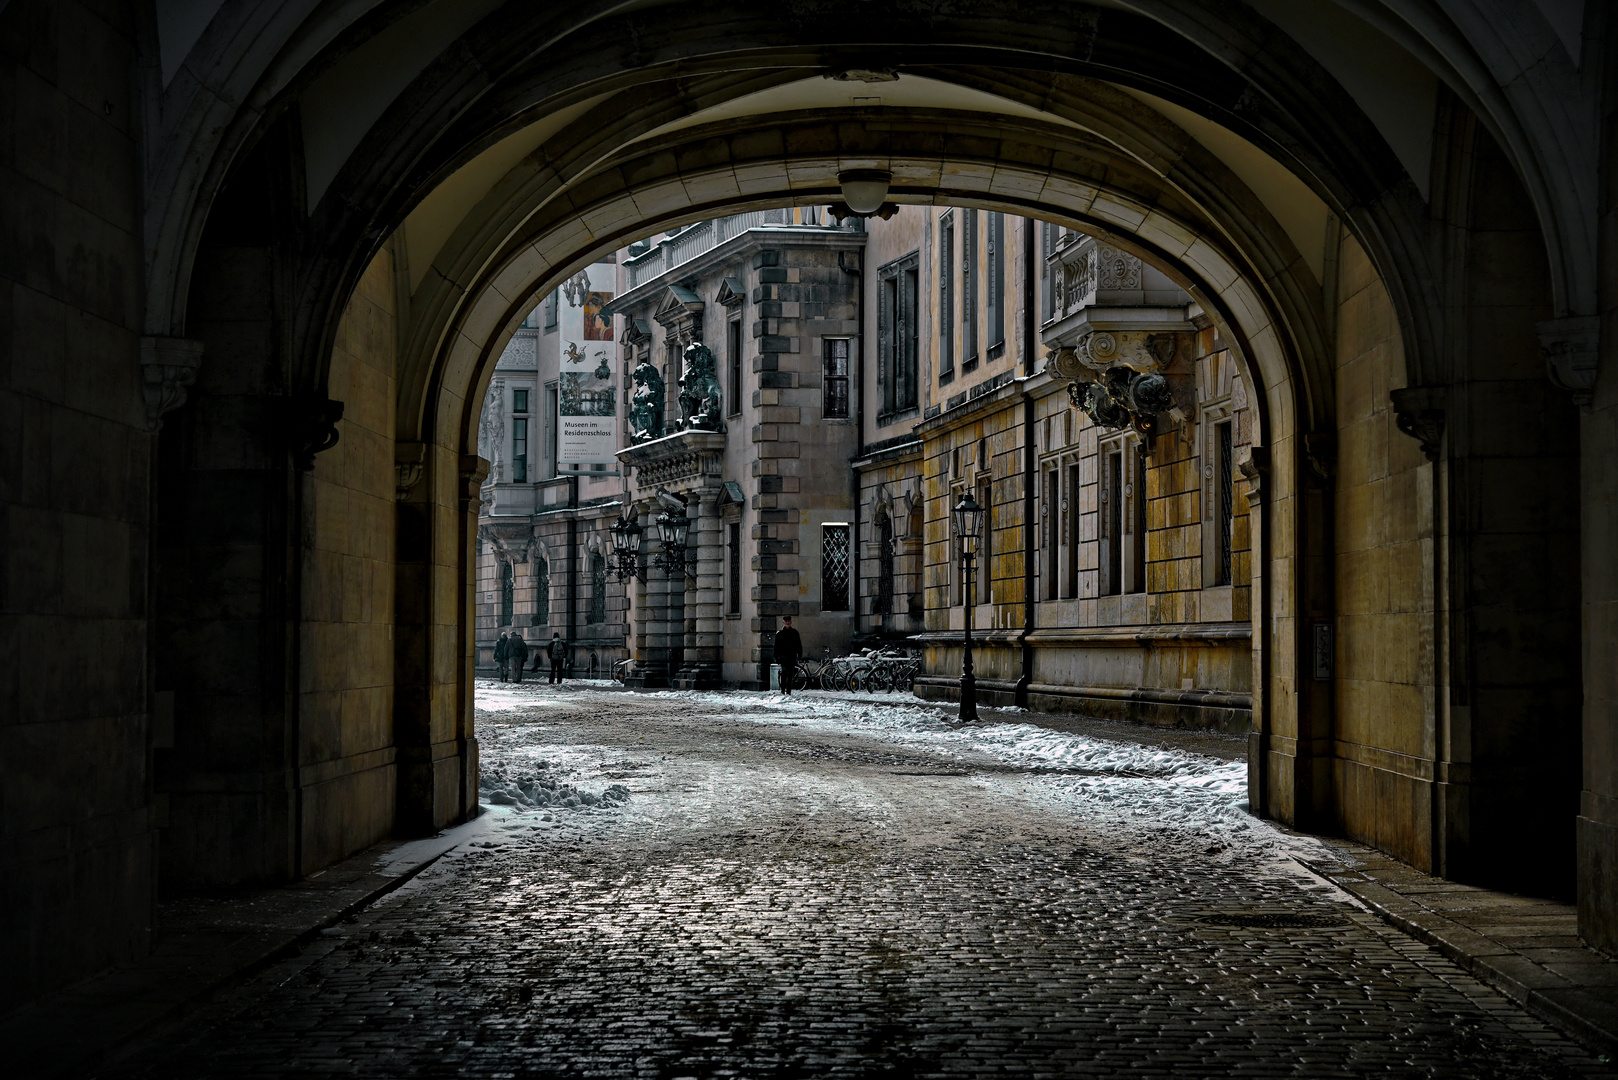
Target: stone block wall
[[77, 818], [347, 753]]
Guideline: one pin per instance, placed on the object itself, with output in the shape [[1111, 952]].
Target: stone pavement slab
[[199, 946], [1526, 947]]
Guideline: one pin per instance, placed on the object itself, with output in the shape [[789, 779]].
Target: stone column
[[704, 596]]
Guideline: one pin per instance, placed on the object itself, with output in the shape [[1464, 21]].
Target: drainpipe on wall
[[859, 428]]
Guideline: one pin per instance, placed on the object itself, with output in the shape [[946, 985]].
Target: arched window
[[882, 602], [542, 591], [598, 588], [508, 593]]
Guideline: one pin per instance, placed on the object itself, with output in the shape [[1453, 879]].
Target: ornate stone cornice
[[1419, 412], [473, 471], [677, 457], [168, 366]]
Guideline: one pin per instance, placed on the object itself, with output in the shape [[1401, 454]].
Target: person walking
[[557, 651], [501, 650], [516, 654], [788, 651]]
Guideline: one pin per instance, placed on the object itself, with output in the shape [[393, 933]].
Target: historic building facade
[[543, 539], [1091, 406], [739, 334]]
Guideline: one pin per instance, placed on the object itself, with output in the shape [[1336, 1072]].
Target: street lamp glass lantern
[[671, 529], [626, 535], [968, 524]]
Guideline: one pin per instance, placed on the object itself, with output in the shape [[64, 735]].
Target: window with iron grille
[[1226, 508], [598, 589], [834, 567], [734, 604], [834, 379], [542, 591]]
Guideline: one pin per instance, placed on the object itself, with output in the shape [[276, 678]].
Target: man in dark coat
[[516, 654], [557, 651], [500, 650], [788, 651]]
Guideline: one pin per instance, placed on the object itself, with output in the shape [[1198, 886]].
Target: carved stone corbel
[[409, 465], [474, 470], [1419, 412], [1254, 465], [1320, 451], [314, 428], [168, 366], [1570, 347]]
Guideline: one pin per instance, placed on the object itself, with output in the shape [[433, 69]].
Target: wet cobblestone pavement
[[817, 893]]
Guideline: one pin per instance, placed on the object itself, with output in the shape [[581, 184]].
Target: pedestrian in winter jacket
[[501, 651], [788, 651], [557, 651], [516, 654]]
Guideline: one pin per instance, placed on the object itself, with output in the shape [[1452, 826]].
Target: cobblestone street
[[676, 885]]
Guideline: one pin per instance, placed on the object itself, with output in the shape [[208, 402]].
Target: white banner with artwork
[[587, 404]]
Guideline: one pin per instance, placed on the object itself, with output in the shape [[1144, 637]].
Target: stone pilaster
[[704, 644]]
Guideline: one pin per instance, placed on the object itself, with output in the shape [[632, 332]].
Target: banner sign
[[587, 405]]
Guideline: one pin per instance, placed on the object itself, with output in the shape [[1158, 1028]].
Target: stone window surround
[[1127, 443]]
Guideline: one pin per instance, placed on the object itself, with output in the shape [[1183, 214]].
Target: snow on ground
[[1140, 795]]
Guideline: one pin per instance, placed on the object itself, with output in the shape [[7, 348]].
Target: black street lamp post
[[968, 525]]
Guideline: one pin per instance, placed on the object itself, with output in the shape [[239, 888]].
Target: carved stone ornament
[[1419, 412], [1117, 270], [1320, 451], [1254, 465], [646, 407], [699, 390], [1570, 347], [473, 471], [314, 429], [409, 465], [1102, 349], [168, 366]]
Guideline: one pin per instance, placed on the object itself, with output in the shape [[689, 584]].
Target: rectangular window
[[969, 290], [1047, 234], [1112, 524], [552, 307], [733, 605], [519, 401], [733, 357], [834, 379], [1053, 528], [1226, 508], [910, 358], [1072, 531], [997, 280], [898, 335], [946, 298], [598, 589], [519, 449], [985, 561], [551, 424], [834, 567], [1137, 539]]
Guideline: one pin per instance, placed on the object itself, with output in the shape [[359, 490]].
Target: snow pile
[[545, 793]]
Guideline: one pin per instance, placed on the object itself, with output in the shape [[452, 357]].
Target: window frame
[[828, 582], [733, 364], [995, 303], [830, 380], [899, 338], [969, 290], [946, 298]]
